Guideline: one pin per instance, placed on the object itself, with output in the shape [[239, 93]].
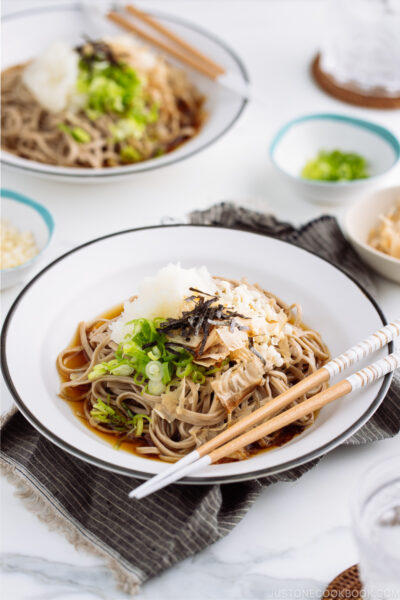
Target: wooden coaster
[[349, 93], [347, 585]]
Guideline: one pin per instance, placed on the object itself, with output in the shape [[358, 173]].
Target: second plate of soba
[[145, 344], [83, 102]]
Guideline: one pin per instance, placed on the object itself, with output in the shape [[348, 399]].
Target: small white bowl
[[301, 139], [358, 221], [25, 215]]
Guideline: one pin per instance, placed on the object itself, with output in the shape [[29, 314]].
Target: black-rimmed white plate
[[100, 274], [20, 44]]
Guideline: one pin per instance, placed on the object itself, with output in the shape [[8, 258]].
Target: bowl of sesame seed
[[26, 229]]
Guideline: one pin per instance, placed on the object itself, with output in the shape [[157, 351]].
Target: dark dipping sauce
[[283, 437]]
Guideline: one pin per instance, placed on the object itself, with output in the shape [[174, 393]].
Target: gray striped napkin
[[140, 539]]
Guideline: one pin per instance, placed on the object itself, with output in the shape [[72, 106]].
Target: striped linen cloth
[[140, 539]]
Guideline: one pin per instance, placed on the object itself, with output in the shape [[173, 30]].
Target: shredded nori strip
[[175, 352], [169, 346], [254, 351], [96, 50], [218, 323], [205, 336], [199, 320], [200, 292], [149, 345]]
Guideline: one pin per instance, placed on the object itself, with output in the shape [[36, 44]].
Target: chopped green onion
[[101, 411], [139, 379], [128, 128], [97, 371], [184, 370], [155, 353], [123, 370], [115, 88], [153, 370], [153, 113], [130, 154], [80, 135], [145, 356], [166, 376], [104, 413], [139, 426], [336, 166], [138, 422], [198, 377], [156, 388]]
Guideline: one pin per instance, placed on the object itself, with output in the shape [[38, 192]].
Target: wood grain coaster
[[349, 93], [347, 585]]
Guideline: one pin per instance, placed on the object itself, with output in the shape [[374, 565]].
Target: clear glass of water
[[376, 519]]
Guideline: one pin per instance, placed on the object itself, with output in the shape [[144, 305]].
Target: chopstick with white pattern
[[194, 459], [338, 390]]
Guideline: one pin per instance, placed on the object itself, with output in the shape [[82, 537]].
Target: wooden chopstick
[[335, 366], [356, 381], [340, 389], [181, 54], [172, 36]]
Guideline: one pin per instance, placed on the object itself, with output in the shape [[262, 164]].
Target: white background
[[297, 537]]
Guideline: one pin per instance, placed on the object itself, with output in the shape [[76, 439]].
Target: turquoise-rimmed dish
[[26, 215], [302, 138]]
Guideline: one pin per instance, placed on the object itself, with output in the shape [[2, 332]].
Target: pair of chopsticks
[[174, 45], [240, 435], [177, 47]]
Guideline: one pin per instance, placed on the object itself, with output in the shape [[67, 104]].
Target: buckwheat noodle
[[201, 415], [29, 131]]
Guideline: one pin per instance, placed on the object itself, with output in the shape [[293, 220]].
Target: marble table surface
[[297, 536]]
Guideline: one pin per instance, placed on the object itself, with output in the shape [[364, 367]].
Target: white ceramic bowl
[[26, 215], [301, 139], [358, 222], [27, 33], [102, 273]]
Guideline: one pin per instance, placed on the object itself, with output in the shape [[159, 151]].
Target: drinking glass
[[376, 519]]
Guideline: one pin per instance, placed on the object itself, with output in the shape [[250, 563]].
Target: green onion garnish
[[152, 359], [129, 154], [336, 166], [110, 86], [102, 412], [80, 135]]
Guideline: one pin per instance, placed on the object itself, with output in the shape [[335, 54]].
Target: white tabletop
[[297, 536]]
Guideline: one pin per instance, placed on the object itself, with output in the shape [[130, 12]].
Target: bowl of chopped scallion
[[331, 158]]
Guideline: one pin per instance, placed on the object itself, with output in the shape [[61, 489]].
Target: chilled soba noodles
[[187, 358], [105, 103]]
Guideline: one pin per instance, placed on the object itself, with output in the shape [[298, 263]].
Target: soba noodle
[[32, 132], [199, 414]]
